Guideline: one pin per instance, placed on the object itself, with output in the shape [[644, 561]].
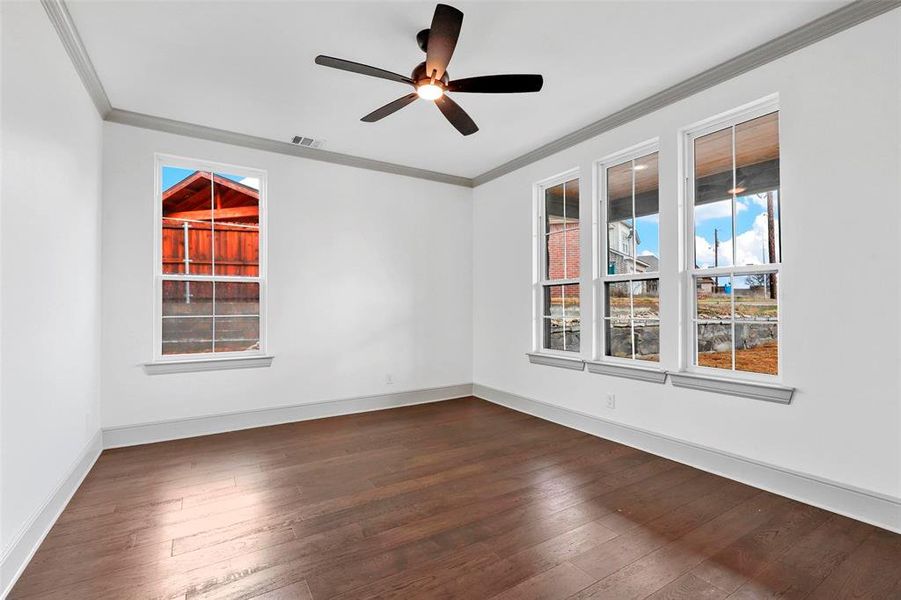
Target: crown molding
[[828, 25], [68, 35], [126, 117]]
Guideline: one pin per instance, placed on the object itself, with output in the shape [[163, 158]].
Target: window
[[629, 277], [735, 247], [558, 277], [210, 267]]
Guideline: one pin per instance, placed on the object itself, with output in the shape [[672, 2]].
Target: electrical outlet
[[611, 401], [389, 379]]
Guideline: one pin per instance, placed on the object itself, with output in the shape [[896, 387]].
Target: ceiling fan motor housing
[[419, 75]]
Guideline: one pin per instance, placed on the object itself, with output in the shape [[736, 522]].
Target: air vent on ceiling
[[306, 142]]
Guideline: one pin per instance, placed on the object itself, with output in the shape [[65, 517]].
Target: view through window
[[561, 315], [210, 276], [631, 317], [737, 246]]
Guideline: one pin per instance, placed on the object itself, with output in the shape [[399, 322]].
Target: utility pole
[[771, 235], [716, 257]]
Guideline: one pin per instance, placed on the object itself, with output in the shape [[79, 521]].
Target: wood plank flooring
[[458, 499]]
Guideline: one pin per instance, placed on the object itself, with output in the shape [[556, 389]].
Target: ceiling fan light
[[430, 91]]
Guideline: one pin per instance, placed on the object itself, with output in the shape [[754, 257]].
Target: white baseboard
[[161, 431], [864, 505], [22, 547]]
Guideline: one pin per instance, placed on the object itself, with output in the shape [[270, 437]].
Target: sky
[[172, 175]]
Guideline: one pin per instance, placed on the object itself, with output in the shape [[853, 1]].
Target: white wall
[[50, 373], [841, 170], [369, 274]]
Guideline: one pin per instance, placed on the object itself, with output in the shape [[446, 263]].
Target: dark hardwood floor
[[459, 499]]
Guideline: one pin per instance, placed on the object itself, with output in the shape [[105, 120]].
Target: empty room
[[487, 300]]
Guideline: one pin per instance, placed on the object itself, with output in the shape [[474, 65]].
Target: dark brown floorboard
[[459, 499]]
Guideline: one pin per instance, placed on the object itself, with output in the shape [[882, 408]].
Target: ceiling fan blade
[[497, 84], [443, 36], [353, 67], [457, 116], [390, 108]]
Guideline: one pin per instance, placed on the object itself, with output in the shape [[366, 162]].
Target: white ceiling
[[247, 66]]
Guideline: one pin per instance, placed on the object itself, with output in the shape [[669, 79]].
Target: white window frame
[[538, 264], [601, 244], [166, 160], [688, 359]]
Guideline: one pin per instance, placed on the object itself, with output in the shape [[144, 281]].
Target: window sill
[[629, 371], [554, 360], [207, 364], [747, 389]]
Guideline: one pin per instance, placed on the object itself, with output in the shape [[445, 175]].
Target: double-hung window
[[559, 319], [210, 279], [734, 242], [629, 267]]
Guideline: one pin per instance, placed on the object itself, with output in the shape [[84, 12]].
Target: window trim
[[539, 240], [600, 244], [688, 348], [226, 359]]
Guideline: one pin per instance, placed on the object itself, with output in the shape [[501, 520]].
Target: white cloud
[[253, 182], [751, 246], [717, 210]]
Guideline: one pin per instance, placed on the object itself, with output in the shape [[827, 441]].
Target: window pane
[[571, 268], [237, 334], [713, 199], [571, 301], [553, 301], [571, 198], [555, 255], [714, 344], [618, 335], [572, 339], [553, 333], [646, 299], [186, 235], [237, 298], [619, 219], [647, 340], [187, 324], [237, 224], [757, 348], [553, 208], [618, 305], [714, 297], [755, 297], [757, 229], [647, 202], [757, 190]]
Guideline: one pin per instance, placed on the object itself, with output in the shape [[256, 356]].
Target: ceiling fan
[[430, 79]]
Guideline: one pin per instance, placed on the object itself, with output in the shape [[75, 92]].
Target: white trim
[[627, 369], [224, 363], [828, 25], [161, 160], [174, 429], [864, 505], [59, 15], [556, 360], [25, 543], [770, 392]]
